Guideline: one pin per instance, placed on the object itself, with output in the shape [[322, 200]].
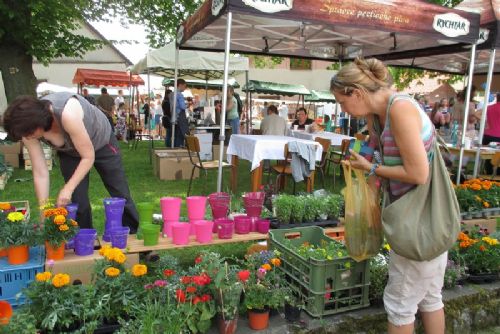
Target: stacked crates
[[326, 286], [47, 152]]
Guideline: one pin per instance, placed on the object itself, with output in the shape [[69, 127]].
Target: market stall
[[323, 29]]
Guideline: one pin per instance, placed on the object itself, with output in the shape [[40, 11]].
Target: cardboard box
[[82, 267], [14, 148], [12, 159], [489, 223], [28, 166], [205, 140], [173, 165]]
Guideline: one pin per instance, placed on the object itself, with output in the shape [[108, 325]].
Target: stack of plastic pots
[[253, 203], [171, 212], [219, 203], [145, 211], [196, 206], [72, 209], [84, 241], [113, 209]]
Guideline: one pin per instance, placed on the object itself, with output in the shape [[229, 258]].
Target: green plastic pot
[[151, 234]]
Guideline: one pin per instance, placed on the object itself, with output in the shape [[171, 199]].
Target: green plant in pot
[[298, 209], [294, 304], [379, 275], [312, 209], [16, 236], [282, 208], [335, 204]]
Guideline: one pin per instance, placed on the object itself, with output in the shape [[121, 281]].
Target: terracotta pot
[[5, 312], [18, 254], [227, 326], [54, 253], [3, 252], [258, 319]]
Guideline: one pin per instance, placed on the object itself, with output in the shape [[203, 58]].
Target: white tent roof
[[192, 64]]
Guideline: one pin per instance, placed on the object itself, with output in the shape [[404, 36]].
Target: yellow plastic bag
[[363, 226]]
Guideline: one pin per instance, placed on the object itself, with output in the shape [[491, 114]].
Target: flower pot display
[[203, 231], [54, 252], [5, 312], [253, 203], [145, 210], [18, 254], [242, 224], [180, 233], [262, 226], [113, 209], [72, 209], [227, 326], [219, 203], [258, 319], [225, 228], [151, 234], [84, 241], [119, 237]]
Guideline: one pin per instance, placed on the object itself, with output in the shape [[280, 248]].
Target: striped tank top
[[392, 156]]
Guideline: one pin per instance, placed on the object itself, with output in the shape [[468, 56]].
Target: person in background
[[273, 124], [440, 115], [459, 111], [233, 118], [121, 123], [181, 126], [283, 111], [166, 120], [88, 97], [362, 88], [146, 109], [107, 105], [327, 122], [119, 99], [492, 129], [82, 137], [301, 119]]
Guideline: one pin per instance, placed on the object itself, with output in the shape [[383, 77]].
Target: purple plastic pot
[[72, 210], [113, 209], [262, 225], [225, 228], [242, 224], [84, 241], [119, 236]]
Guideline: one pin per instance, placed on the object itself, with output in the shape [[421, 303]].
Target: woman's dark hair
[[272, 108], [25, 115]]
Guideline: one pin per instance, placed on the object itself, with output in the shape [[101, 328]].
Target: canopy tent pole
[[250, 103], [222, 136], [206, 88], [466, 111], [149, 124], [249, 112], [174, 104], [485, 107]]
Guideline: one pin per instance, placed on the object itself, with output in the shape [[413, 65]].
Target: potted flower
[[17, 234], [58, 229], [264, 289]]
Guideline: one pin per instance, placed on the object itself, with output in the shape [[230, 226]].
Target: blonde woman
[[407, 135]]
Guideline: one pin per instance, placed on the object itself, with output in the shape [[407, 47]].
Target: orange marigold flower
[[63, 227], [4, 206], [59, 219], [112, 272], [49, 213], [61, 211], [482, 248], [475, 186], [74, 223], [139, 270], [486, 204], [276, 262], [266, 266], [462, 236], [43, 277], [464, 244], [60, 280]]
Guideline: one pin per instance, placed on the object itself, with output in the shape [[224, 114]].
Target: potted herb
[[335, 204], [298, 209], [282, 207]]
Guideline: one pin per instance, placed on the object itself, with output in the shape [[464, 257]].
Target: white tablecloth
[[335, 138], [256, 148]]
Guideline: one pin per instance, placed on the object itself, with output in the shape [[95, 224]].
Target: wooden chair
[[284, 169], [335, 157], [193, 147], [325, 143], [495, 162]]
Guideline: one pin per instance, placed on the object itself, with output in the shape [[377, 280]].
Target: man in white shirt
[[273, 124], [283, 111], [119, 99]]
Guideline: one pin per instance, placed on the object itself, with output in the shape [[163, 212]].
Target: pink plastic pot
[[167, 228], [253, 211], [219, 210], [242, 224], [180, 233], [262, 226], [196, 207], [170, 208], [219, 198], [203, 230], [225, 228]]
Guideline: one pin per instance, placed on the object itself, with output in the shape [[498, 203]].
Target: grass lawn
[[144, 186]]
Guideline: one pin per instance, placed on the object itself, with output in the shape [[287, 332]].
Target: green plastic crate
[[326, 286]]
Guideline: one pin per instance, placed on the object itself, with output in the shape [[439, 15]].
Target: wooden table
[[486, 153], [137, 246], [256, 148]]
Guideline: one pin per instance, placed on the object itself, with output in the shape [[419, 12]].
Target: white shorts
[[412, 286]]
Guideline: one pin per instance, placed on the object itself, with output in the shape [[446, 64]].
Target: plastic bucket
[[219, 198], [113, 209], [151, 234], [196, 207], [119, 237], [170, 208], [262, 226], [180, 233], [219, 210], [145, 210], [84, 241], [225, 228], [203, 231], [72, 210], [242, 224], [167, 228], [18, 254], [253, 211]]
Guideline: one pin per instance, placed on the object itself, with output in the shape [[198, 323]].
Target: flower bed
[[478, 198]]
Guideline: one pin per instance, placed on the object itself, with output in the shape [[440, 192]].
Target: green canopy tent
[[203, 84]]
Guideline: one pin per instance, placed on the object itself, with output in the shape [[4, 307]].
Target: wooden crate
[[28, 166], [47, 152]]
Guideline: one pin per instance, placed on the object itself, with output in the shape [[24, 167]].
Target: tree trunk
[[16, 66]]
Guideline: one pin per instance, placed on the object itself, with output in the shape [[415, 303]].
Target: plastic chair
[[193, 147], [325, 143], [336, 157]]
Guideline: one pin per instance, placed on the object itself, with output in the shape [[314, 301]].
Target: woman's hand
[[64, 197], [358, 161]]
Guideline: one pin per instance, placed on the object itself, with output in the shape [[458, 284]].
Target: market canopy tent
[[215, 84], [320, 96], [265, 87], [192, 64], [93, 77]]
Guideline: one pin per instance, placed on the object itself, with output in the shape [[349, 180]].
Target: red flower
[[206, 298], [243, 275], [168, 272], [186, 280], [191, 289], [198, 259], [202, 279], [196, 300], [181, 296]]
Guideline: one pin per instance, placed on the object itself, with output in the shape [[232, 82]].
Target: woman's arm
[[72, 122], [405, 127], [41, 179]]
